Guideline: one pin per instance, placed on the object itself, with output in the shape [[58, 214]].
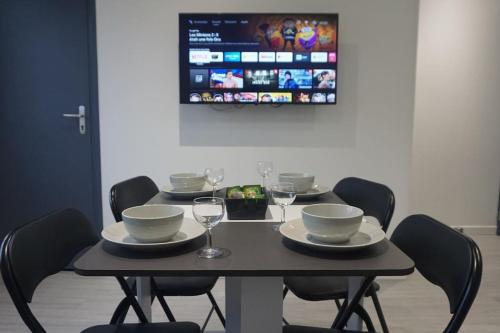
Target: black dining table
[[260, 258]]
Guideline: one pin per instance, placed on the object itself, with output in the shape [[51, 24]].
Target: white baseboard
[[477, 229]]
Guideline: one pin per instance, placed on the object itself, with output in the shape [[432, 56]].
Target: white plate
[[117, 234], [316, 191], [369, 233], [205, 191]]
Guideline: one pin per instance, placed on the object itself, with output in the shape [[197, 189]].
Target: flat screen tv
[[258, 58]]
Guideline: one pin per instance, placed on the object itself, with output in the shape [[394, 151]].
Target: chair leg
[[162, 301], [131, 299], [121, 319], [380, 313], [166, 308], [208, 319], [360, 311], [120, 312], [345, 313], [342, 308], [216, 308], [337, 303]]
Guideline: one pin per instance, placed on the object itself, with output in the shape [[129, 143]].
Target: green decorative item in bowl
[[248, 202]]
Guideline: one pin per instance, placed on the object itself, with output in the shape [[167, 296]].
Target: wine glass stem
[[282, 214], [209, 239], [213, 189]]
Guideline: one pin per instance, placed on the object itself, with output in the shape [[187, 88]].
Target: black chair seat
[[178, 327], [322, 288], [185, 286], [305, 329]]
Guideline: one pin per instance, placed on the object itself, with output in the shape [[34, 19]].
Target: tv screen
[[258, 58]]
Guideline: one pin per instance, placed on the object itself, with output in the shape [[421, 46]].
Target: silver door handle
[[80, 115]]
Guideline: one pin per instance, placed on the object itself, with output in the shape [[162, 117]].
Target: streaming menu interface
[[258, 58]]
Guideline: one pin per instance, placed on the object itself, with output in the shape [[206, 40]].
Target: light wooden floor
[[69, 303]]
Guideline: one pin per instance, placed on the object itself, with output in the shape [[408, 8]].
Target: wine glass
[[264, 168], [214, 177], [208, 211], [283, 195]]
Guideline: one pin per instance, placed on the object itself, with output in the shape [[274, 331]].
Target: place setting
[[306, 188], [152, 228], [303, 182], [190, 185], [160, 227], [332, 228], [329, 227]]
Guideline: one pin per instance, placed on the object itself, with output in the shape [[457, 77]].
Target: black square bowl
[[247, 209]]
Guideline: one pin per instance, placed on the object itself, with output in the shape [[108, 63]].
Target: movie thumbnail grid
[[202, 57], [261, 97], [262, 85]]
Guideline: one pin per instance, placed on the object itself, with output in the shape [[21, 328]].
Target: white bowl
[[332, 223], [153, 223], [302, 181], [187, 181]]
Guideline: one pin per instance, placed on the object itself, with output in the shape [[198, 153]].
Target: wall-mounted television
[[258, 58]]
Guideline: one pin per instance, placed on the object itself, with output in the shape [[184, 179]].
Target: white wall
[[368, 134], [456, 149]]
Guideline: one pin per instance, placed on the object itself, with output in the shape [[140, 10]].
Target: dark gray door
[[47, 69]]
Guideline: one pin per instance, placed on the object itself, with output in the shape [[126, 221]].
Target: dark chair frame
[[14, 287], [369, 204], [21, 292], [122, 308], [10, 283], [461, 292], [472, 283]]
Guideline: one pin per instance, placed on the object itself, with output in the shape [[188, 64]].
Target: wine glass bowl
[[209, 211], [283, 194], [264, 168], [214, 176]]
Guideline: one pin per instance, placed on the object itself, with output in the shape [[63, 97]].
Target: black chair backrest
[[445, 257], [374, 199], [41, 248], [131, 192]]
